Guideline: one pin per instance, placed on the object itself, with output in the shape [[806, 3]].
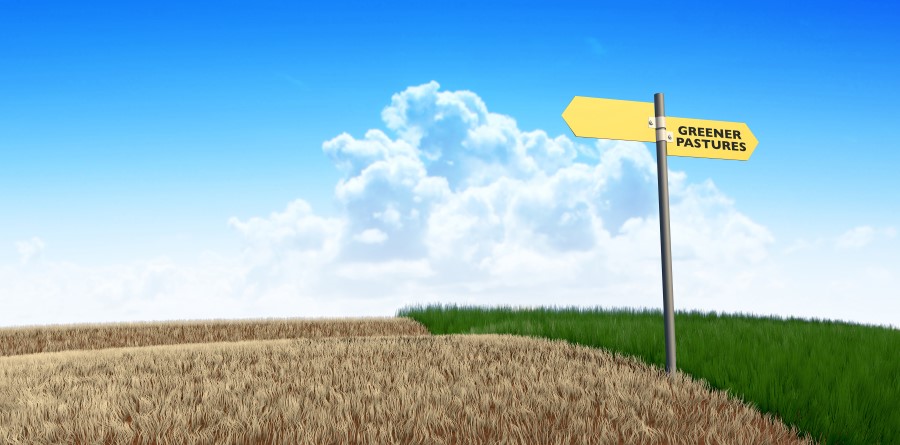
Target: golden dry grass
[[35, 339], [406, 389]]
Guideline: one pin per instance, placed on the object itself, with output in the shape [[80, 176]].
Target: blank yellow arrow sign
[[591, 117]]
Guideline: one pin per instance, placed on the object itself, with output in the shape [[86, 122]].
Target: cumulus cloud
[[454, 203], [371, 236], [457, 200], [297, 229], [29, 249]]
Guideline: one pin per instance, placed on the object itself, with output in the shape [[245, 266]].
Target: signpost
[[591, 117]]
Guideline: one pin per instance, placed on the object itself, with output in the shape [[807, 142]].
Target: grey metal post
[[664, 234]]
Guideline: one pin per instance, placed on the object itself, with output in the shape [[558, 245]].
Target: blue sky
[[145, 140]]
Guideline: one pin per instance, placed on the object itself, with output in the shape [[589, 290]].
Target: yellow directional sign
[[698, 138], [592, 117]]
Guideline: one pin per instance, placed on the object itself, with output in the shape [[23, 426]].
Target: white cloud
[[371, 236], [863, 236], [856, 237], [460, 205], [297, 229], [596, 47], [29, 249]]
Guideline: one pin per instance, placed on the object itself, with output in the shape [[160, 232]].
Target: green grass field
[[839, 382]]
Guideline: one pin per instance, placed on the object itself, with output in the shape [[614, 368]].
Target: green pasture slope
[[837, 381]]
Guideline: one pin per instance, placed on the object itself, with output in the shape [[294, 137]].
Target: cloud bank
[[454, 204]]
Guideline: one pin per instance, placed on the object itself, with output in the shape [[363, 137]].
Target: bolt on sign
[[592, 117]]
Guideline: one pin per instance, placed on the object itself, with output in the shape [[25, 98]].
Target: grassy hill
[[839, 382]]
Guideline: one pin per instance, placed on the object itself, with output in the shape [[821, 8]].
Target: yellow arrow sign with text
[[592, 117]]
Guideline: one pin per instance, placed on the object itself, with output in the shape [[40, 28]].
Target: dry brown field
[[54, 338], [364, 381]]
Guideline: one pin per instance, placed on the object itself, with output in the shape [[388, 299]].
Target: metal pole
[[664, 234]]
